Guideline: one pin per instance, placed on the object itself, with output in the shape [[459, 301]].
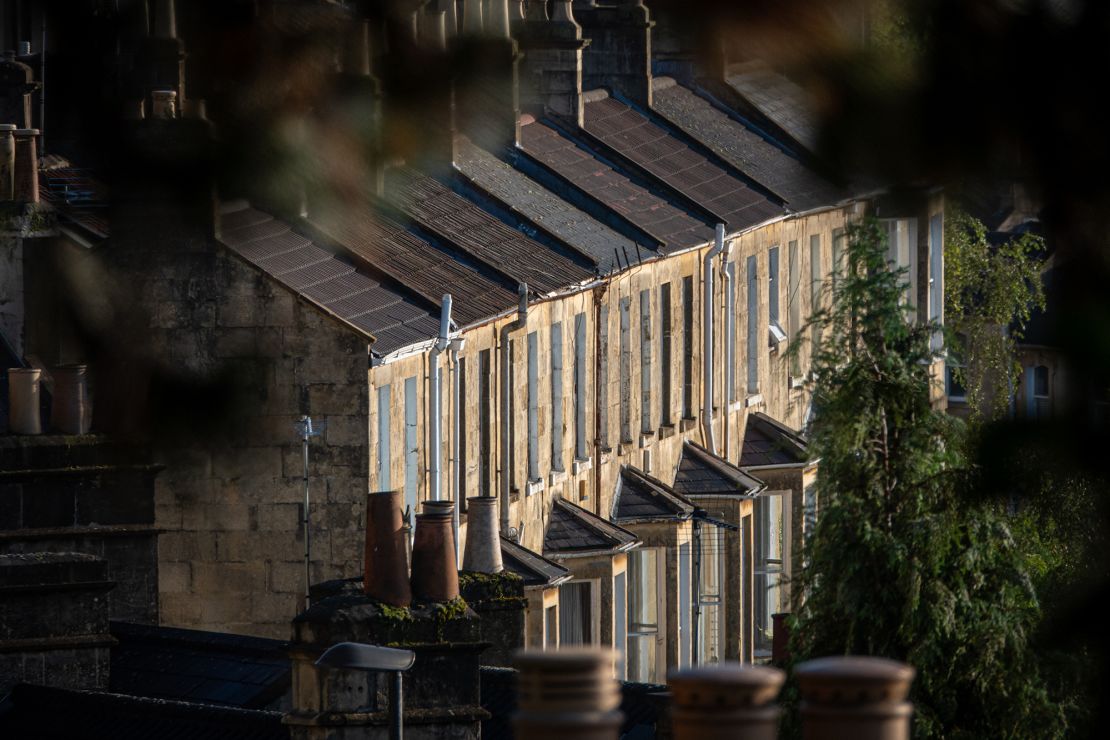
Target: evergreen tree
[[900, 564]]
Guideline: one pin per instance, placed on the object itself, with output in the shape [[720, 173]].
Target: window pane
[[575, 620], [641, 659]]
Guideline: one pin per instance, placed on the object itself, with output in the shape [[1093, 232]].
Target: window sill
[[605, 454], [666, 430], [557, 477], [581, 465], [797, 382], [646, 438], [736, 406], [533, 486], [624, 448], [514, 495], [756, 399], [688, 423]]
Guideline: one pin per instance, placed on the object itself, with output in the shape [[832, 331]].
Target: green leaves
[[902, 562]]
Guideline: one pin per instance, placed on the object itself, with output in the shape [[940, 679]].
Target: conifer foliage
[[901, 564]]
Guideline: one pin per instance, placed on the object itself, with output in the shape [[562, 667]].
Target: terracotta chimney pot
[[856, 697], [725, 701], [435, 573], [385, 568], [163, 104], [23, 401], [483, 542], [26, 182], [7, 161]]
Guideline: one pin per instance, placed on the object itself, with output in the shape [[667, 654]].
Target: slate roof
[[640, 497], [669, 224], [571, 529], [42, 713], [768, 442], [701, 473], [420, 266], [743, 148], [635, 136], [328, 280], [196, 666], [780, 100], [485, 238], [643, 705], [535, 569], [537, 204]]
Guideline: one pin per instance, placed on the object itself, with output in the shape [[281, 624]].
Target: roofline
[[787, 466], [553, 583], [593, 553]]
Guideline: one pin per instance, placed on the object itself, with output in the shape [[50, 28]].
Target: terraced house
[[555, 279]]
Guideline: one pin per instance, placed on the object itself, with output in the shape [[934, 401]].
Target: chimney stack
[[552, 61], [619, 56]]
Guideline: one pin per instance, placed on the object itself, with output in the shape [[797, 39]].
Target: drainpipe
[[730, 345], [456, 346], [435, 434], [506, 422], [707, 339]]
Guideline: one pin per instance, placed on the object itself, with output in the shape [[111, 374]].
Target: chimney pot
[[165, 20], [561, 11], [7, 162], [483, 543], [433, 30], [70, 411], [855, 696], [472, 17], [26, 188], [435, 573], [385, 564], [23, 401], [537, 10], [564, 693], [498, 22], [725, 701]]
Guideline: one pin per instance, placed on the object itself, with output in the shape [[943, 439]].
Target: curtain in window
[[574, 614]]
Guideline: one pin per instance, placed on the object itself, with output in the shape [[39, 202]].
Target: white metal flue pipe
[[707, 339], [435, 433], [506, 358]]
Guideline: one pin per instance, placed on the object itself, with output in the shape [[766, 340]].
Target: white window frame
[[385, 436], [557, 397], [646, 631]]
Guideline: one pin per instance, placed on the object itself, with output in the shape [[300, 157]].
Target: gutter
[[506, 423]]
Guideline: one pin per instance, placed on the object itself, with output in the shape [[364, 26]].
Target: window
[[645, 362], [936, 277], [625, 370], [643, 615], [620, 626], [794, 302], [557, 396], [384, 436], [688, 347], [461, 405], [953, 379], [816, 278], [412, 447], [902, 252], [510, 467], [711, 578], [730, 326], [485, 423], [1037, 401], [809, 518], [839, 244], [581, 442], [550, 628], [753, 326], [772, 563], [533, 407], [773, 285], [685, 605], [603, 377], [665, 354], [576, 623]]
